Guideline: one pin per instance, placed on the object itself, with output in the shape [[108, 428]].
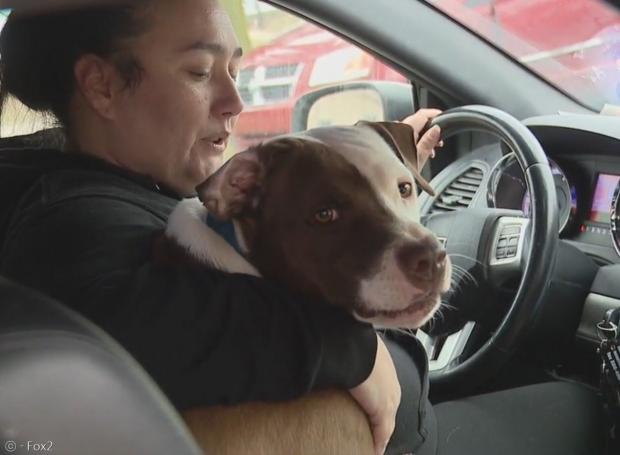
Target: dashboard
[[584, 155], [507, 189]]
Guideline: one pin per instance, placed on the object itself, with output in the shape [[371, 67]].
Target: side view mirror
[[345, 104]]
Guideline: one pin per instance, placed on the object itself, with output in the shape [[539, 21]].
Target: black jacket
[[81, 230]]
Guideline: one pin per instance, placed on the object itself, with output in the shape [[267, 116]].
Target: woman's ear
[[96, 80]]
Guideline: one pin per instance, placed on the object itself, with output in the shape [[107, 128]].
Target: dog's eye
[[324, 216], [405, 189]]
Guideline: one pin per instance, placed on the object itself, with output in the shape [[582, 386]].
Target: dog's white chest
[[187, 226]]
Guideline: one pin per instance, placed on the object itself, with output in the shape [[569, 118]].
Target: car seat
[[66, 385]]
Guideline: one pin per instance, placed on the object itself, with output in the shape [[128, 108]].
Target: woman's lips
[[217, 144], [220, 145]]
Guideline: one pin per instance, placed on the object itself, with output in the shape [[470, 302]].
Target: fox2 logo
[[28, 446]]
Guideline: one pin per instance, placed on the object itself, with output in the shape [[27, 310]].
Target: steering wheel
[[480, 233]]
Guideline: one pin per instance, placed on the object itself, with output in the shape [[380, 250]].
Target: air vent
[[459, 194]]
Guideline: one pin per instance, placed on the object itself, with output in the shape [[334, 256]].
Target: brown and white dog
[[331, 213]]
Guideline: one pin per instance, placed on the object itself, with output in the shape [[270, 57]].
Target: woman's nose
[[230, 102]]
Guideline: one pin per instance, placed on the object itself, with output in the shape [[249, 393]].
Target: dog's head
[[333, 213]]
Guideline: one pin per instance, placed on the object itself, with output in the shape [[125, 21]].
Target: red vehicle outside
[[572, 43], [274, 76]]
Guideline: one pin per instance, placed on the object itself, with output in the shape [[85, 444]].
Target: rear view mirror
[[345, 104]]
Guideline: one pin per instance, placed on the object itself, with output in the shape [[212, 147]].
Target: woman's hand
[[430, 139], [379, 397]]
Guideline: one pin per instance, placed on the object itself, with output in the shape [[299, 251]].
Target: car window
[[17, 118], [288, 57]]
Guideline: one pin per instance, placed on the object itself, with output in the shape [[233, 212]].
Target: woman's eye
[[405, 189], [200, 74], [325, 216]]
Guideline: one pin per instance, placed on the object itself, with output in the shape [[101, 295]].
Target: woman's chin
[[209, 164], [197, 172]]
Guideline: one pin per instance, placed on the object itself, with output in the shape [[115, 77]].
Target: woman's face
[[174, 125]]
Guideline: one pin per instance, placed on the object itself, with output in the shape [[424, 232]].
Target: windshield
[[573, 44]]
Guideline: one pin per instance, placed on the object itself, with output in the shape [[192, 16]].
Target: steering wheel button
[[511, 251], [503, 242], [511, 230], [501, 253], [513, 241]]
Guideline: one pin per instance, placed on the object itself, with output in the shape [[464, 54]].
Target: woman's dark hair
[[38, 52]]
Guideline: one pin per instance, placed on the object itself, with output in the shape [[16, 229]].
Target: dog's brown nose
[[421, 260]]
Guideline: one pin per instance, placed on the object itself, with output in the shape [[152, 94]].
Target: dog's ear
[[400, 137], [235, 187]]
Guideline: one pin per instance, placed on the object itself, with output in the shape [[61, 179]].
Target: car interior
[[527, 190]]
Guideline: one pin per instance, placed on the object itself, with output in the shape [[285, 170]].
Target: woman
[[146, 95]]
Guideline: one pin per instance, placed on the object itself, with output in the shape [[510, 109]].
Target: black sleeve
[[206, 337]]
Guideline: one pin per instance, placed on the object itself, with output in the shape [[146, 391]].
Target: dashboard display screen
[[603, 194]]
